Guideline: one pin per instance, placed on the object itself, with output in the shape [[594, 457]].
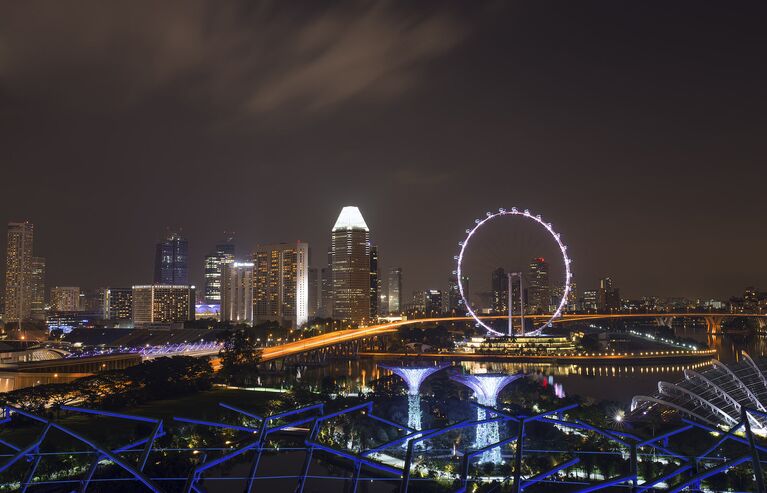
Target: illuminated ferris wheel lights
[[567, 261]]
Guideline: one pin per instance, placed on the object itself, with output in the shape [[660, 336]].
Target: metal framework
[[715, 396], [136, 463], [555, 236]]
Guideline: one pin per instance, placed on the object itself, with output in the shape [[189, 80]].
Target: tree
[[239, 359]]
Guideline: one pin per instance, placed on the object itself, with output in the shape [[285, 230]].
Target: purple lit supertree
[[414, 375], [486, 387]]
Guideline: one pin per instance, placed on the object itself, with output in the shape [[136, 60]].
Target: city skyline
[[648, 154]]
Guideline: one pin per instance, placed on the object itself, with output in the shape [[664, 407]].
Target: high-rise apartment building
[[162, 304], [281, 283], [38, 288], [237, 292], [590, 300], [119, 304], [18, 272], [350, 246], [171, 262], [395, 290], [224, 252], [374, 282], [65, 299], [539, 289]]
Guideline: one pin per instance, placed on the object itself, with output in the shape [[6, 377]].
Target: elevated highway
[[713, 324]]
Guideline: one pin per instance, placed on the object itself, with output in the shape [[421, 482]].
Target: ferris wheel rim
[[554, 235]]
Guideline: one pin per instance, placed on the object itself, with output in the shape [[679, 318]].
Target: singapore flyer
[[524, 290]]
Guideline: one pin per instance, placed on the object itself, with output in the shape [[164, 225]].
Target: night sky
[[637, 128]]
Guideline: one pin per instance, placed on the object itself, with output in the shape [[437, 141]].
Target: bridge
[[713, 324]]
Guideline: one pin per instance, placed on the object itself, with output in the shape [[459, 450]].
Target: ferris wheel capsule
[[514, 210]]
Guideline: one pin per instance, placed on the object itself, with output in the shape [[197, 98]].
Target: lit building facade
[[171, 263], [237, 292], [38, 289], [499, 284], [281, 283], [18, 272], [224, 252], [315, 296], [395, 291], [350, 253], [374, 283], [609, 296], [326, 292], [65, 299], [162, 304], [119, 304], [539, 289]]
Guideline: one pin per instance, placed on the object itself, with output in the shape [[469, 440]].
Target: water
[[611, 381]]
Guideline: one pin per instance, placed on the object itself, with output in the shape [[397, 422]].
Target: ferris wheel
[[538, 222]]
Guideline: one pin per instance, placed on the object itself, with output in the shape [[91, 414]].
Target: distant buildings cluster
[[276, 282], [273, 282]]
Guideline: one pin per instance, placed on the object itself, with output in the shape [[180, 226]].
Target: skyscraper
[[539, 290], [38, 288], [223, 252], [237, 292], [314, 292], [499, 283], [326, 292], [171, 261], [395, 290], [18, 272], [609, 296], [350, 244], [281, 283], [162, 304], [374, 282], [453, 297]]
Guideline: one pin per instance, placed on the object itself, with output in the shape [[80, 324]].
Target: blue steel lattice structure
[[150, 462], [414, 376]]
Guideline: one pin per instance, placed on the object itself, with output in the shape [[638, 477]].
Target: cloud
[[251, 58]]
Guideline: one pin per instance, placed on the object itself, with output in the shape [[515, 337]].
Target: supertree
[[414, 375], [486, 387]]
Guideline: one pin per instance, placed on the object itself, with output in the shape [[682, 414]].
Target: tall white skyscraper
[[237, 292], [350, 254]]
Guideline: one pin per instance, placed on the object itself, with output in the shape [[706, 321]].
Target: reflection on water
[[614, 381]]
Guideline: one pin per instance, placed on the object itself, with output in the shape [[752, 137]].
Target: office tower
[[314, 293], [499, 284], [453, 296], [65, 299], [350, 244], [374, 281], [171, 261], [18, 272], [38, 288], [162, 304], [281, 283], [538, 290], [326, 292], [432, 302], [395, 290], [119, 304], [609, 296], [237, 292], [224, 252]]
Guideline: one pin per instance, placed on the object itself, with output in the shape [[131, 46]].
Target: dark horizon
[[636, 129]]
